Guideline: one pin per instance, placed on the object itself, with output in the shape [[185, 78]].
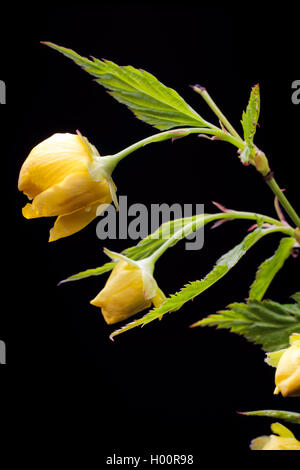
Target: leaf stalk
[[271, 182], [178, 133], [206, 96]]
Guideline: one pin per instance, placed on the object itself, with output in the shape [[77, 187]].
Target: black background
[[163, 388]]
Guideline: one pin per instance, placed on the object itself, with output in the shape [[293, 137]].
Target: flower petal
[[122, 295], [295, 338], [259, 443], [66, 225], [75, 192], [50, 162]]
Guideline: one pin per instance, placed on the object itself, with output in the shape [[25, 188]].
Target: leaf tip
[[219, 222], [48, 43], [221, 207]]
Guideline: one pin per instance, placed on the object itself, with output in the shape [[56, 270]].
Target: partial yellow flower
[[285, 440], [287, 363], [56, 177], [129, 289]]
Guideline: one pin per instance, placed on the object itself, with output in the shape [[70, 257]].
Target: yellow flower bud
[[261, 163], [128, 290], [285, 440], [56, 177], [287, 363]]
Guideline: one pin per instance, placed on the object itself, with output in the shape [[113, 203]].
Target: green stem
[[201, 220], [271, 182], [232, 138], [206, 96], [177, 133]]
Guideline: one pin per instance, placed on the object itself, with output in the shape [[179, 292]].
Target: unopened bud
[[287, 363], [261, 163]]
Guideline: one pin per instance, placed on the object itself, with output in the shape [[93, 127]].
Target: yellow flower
[[56, 177], [285, 440], [287, 362], [129, 289]]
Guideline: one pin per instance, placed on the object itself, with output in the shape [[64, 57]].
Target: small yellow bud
[[125, 293], [56, 177], [285, 440], [261, 163], [287, 363]]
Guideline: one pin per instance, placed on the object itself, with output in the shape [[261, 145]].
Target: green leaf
[[266, 323], [193, 289], [296, 297], [88, 273], [145, 96], [251, 116], [147, 246], [288, 416], [269, 268], [150, 244]]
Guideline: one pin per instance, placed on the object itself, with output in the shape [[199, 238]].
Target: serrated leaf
[[89, 273], [288, 416], [145, 247], [296, 297], [266, 323], [269, 268], [193, 289], [145, 96], [152, 242], [251, 116]]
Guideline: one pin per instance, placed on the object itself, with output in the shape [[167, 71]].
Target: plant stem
[[178, 133], [177, 236], [232, 138], [271, 182], [206, 96], [201, 220]]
